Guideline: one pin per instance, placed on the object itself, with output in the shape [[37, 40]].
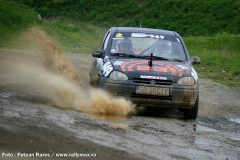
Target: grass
[[14, 17], [220, 57], [75, 37]]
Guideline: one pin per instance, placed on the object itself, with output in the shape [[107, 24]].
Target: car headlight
[[118, 76], [186, 81]]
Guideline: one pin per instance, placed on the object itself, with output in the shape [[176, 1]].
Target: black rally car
[[150, 67]]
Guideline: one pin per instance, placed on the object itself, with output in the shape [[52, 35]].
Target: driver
[[124, 45], [162, 47]]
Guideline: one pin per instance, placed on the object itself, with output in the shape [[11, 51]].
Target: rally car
[[151, 67]]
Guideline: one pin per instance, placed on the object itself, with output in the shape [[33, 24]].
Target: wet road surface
[[29, 125]]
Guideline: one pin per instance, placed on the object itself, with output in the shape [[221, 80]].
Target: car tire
[[94, 84], [192, 112]]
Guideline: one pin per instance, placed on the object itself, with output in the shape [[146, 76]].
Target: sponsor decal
[[137, 50], [118, 63], [161, 37], [153, 77], [156, 36], [182, 67], [178, 40], [138, 35], [107, 68], [194, 74], [99, 63], [106, 59], [118, 38], [119, 35], [142, 65], [144, 35]]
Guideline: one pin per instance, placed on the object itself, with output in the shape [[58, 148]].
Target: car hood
[[161, 69]]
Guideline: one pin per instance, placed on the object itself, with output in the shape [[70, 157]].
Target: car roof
[[143, 30]]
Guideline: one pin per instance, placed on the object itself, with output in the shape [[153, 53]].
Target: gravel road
[[29, 125]]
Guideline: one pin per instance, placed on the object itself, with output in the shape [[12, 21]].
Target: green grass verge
[[14, 17], [220, 57], [75, 37]]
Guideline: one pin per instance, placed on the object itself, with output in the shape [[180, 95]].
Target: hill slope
[[191, 17]]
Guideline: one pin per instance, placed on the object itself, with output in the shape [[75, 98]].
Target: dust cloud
[[48, 73]]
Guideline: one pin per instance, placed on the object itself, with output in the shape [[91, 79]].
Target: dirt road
[[30, 125]]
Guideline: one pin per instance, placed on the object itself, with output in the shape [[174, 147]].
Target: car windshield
[[144, 45]]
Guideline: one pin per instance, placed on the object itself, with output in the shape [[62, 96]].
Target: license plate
[[152, 91]]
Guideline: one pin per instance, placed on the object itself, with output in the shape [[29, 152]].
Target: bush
[[191, 17], [14, 17]]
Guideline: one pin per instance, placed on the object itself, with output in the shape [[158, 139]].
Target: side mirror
[[98, 53], [195, 60]]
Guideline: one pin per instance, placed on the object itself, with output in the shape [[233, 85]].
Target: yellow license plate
[[152, 91]]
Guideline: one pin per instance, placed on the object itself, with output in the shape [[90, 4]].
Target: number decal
[[107, 69]]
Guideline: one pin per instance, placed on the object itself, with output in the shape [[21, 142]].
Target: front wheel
[[192, 112]]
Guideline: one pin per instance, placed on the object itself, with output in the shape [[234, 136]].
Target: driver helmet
[[124, 45], [164, 47]]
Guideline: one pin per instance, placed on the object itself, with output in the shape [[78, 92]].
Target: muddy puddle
[[109, 118], [115, 121], [203, 129], [235, 120]]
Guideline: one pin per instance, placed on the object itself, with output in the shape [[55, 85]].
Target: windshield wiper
[[127, 55], [155, 57], [163, 58]]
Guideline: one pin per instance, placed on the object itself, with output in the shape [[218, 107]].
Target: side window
[[105, 42]]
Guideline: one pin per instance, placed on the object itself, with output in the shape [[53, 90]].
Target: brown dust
[[48, 73]]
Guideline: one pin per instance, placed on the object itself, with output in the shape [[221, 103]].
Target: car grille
[[134, 95], [151, 81]]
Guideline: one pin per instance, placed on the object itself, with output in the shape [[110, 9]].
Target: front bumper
[[180, 96]]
